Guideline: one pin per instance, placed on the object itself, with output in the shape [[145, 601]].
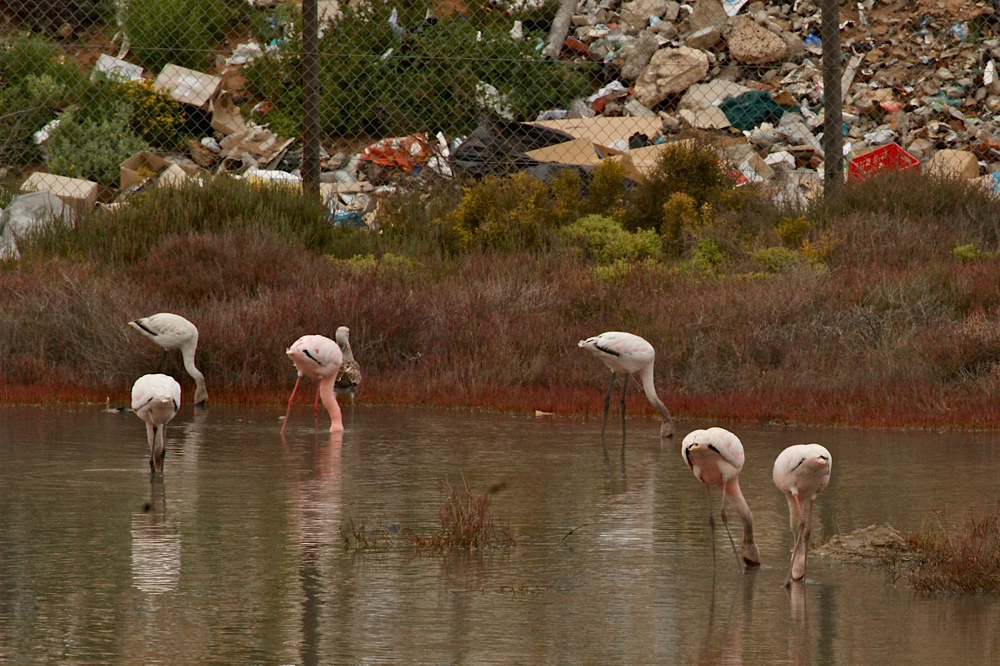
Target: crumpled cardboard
[[187, 86]]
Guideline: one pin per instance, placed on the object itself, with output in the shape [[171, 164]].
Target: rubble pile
[[920, 84], [921, 74]]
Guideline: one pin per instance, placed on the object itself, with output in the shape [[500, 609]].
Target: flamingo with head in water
[[171, 332], [155, 400], [801, 472], [320, 358], [716, 457], [628, 354]]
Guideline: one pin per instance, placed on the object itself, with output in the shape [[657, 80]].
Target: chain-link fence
[[101, 98]]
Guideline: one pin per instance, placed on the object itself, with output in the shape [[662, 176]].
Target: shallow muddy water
[[236, 555]]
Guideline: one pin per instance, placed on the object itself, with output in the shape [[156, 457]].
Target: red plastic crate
[[890, 157]]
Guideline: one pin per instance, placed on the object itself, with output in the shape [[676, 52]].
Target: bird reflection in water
[[156, 545], [318, 517], [724, 645]]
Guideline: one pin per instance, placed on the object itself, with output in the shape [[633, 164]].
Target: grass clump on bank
[[964, 559]]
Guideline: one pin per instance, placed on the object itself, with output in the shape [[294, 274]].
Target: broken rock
[[670, 71], [751, 44]]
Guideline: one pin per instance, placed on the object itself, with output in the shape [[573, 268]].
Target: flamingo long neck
[[646, 375], [329, 398], [735, 497], [200, 392]]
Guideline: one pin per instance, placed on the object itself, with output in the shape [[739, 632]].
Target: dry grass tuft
[[466, 523], [956, 560]]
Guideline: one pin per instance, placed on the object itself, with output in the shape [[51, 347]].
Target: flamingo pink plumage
[[320, 358], [628, 354], [801, 471], [155, 400], [716, 457]]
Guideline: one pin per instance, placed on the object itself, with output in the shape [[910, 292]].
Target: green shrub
[[93, 148], [692, 168], [181, 32], [708, 258], [776, 259], [155, 116], [50, 15], [507, 213], [606, 195], [605, 241], [33, 84], [378, 82], [125, 235], [792, 230], [966, 254]]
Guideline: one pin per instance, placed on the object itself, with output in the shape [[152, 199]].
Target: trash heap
[[920, 82], [921, 75]]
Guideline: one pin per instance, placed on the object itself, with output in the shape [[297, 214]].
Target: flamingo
[[628, 354], [172, 331], [155, 400], [716, 457], [801, 471], [349, 377], [320, 358]]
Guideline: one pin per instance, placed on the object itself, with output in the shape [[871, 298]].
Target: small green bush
[[966, 254], [692, 168], [507, 213], [181, 32], [34, 83], [708, 258], [776, 259], [379, 82], [155, 116], [605, 241], [93, 148], [792, 230]]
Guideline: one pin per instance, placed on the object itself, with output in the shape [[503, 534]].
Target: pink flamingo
[[155, 400], [716, 457], [170, 332], [628, 354], [801, 470], [320, 358]]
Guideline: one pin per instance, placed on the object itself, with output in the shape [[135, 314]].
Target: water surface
[[236, 556]]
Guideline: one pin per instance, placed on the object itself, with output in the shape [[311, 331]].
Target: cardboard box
[[226, 116], [145, 165], [606, 131], [578, 152], [187, 85], [76, 192], [116, 69]]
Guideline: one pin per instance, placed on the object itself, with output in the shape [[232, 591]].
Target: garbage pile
[[921, 75], [920, 82]]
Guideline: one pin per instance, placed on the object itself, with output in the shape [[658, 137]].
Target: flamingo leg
[[163, 361], [799, 529], [607, 404], [316, 402], [711, 522], [288, 411], [725, 522], [624, 386]]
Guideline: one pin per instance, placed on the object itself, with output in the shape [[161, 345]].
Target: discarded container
[[890, 157]]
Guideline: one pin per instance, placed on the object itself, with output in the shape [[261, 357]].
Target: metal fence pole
[[310, 97], [833, 120]]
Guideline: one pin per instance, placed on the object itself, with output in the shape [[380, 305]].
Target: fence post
[[833, 118], [310, 97]]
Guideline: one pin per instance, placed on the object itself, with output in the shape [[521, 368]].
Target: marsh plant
[[962, 559], [466, 523]]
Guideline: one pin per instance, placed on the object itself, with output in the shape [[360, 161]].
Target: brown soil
[[874, 543]]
